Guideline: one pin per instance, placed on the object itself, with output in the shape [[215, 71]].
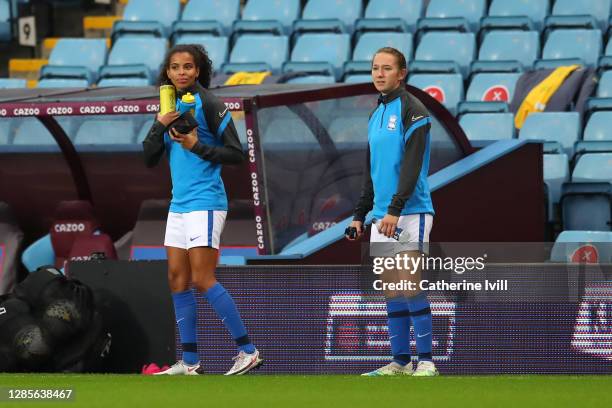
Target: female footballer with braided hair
[[199, 204]]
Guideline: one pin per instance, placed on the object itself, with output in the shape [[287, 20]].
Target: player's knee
[[203, 283], [178, 280]]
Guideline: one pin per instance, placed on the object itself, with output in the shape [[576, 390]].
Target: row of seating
[[30, 132], [164, 17], [328, 57]]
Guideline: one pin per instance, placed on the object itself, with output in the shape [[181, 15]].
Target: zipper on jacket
[[382, 115]]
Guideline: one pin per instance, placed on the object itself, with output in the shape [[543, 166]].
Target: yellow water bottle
[[187, 104]]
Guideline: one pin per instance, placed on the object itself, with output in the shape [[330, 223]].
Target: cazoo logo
[[72, 227]]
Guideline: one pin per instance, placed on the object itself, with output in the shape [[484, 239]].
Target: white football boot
[[425, 369], [180, 368], [243, 363], [391, 369]]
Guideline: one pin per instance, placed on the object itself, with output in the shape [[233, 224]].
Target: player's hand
[[168, 118], [388, 225], [358, 225], [186, 140]]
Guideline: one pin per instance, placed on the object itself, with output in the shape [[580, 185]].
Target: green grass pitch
[[337, 391]]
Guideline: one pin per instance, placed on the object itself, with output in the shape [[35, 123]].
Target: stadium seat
[[453, 14], [270, 16], [147, 240], [162, 12], [276, 132], [390, 15], [582, 10], [216, 47], [325, 15], [527, 14], [108, 82], [556, 172], [369, 43], [6, 83], [565, 47], [492, 87], [96, 132], [62, 83], [593, 167], [445, 88], [320, 53], [598, 126], [197, 17], [488, 126], [312, 79], [135, 57], [144, 129], [586, 206], [11, 238], [258, 52], [84, 56], [561, 127], [5, 23], [31, 132], [604, 87], [348, 129], [357, 78], [445, 52], [577, 247], [502, 50], [5, 132]]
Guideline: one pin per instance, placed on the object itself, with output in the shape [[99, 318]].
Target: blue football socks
[[224, 306], [398, 315], [185, 312], [421, 319]]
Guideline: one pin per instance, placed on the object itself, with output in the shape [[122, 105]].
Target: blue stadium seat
[[598, 126], [95, 132], [561, 127], [488, 126], [5, 132], [276, 132], [268, 16], [556, 172], [568, 242], [320, 53], [197, 17], [132, 55], [446, 88], [492, 87], [370, 42], [445, 52], [31, 132], [62, 83], [604, 88], [312, 79], [593, 167], [5, 23], [258, 52], [598, 9], [164, 12], [391, 15], [564, 47], [83, 55], [335, 16], [108, 82], [216, 47], [144, 129], [517, 13], [357, 78], [348, 129], [6, 83], [501, 50], [470, 11], [586, 205]]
